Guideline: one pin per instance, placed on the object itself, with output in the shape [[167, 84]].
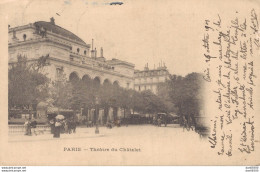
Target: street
[[123, 132], [151, 145], [122, 144]]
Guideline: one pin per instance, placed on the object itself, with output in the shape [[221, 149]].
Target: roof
[[117, 62], [58, 30], [151, 70]]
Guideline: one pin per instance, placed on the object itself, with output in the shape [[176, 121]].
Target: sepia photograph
[[91, 82]]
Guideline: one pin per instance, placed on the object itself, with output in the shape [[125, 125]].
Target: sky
[[140, 32]]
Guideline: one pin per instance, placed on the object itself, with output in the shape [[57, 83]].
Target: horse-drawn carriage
[[165, 119]]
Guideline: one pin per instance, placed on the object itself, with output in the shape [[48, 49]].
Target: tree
[[184, 93], [26, 85], [60, 93], [124, 100], [137, 101]]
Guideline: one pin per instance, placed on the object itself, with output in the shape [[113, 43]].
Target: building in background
[[149, 79]]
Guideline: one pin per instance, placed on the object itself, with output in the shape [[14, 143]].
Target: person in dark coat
[[185, 123], [34, 126], [72, 125], [57, 129], [52, 125]]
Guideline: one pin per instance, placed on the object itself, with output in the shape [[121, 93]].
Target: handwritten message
[[231, 47]]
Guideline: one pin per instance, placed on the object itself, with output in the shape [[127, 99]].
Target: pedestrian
[[27, 125], [185, 123], [57, 129], [52, 125], [109, 124], [154, 120], [165, 120], [62, 128], [90, 124], [72, 125], [118, 121], [66, 127], [33, 126], [159, 122], [191, 122]]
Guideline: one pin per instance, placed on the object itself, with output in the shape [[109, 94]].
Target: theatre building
[[67, 54]]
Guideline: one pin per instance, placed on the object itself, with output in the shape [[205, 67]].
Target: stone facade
[[67, 53]]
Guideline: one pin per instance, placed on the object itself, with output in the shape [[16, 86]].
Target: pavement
[[149, 144], [80, 133], [84, 132], [132, 145]]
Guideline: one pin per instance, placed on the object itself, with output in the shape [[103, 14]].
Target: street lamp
[[97, 114]]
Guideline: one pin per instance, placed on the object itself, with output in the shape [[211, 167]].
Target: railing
[[20, 129]]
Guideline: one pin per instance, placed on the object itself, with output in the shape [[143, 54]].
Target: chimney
[[92, 51], [92, 43], [101, 52], [52, 21], [146, 67], [95, 53]]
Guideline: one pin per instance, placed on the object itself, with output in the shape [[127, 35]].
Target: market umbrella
[[60, 117]]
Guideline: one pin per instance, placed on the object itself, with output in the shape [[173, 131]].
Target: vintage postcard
[[130, 82]]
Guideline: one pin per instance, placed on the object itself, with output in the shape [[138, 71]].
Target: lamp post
[[97, 114]]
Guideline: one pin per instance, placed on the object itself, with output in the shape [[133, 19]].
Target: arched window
[[74, 77], [59, 72], [14, 34], [24, 37], [78, 50], [116, 84], [85, 52]]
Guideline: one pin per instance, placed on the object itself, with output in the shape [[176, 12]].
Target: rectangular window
[[59, 72]]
